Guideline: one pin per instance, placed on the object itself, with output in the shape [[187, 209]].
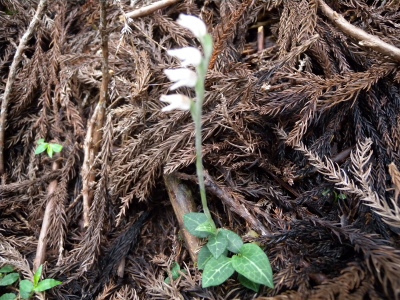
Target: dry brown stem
[[92, 143], [42, 242], [236, 207], [183, 203], [87, 192], [12, 75], [364, 39], [146, 10]]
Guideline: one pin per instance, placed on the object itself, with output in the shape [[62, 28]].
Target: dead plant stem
[[92, 144], [146, 10], [364, 39], [42, 242], [12, 75]]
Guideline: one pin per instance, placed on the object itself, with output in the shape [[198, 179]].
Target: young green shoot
[[26, 287], [51, 148]]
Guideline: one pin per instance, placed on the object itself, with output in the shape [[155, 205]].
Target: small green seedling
[[337, 196], [175, 273], [51, 148], [26, 287], [7, 276]]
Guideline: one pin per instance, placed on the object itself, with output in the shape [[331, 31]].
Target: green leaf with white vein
[[253, 264], [234, 241], [205, 255], [192, 221], [203, 258], [206, 227], [217, 244], [248, 283], [217, 271]]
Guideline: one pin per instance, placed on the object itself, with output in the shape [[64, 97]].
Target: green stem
[[196, 115]]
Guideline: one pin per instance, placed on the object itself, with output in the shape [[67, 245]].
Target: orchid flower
[[176, 101], [194, 24], [188, 56], [181, 77]]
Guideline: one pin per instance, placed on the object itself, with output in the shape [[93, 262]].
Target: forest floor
[[301, 143]]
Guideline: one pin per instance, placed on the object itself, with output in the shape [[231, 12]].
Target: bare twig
[[364, 39], [12, 75], [146, 10], [92, 145], [42, 243], [182, 203], [236, 207], [87, 192]]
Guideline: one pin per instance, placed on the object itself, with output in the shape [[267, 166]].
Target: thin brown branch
[[12, 75], [42, 242], [236, 207], [92, 143], [364, 39], [87, 192], [147, 10]]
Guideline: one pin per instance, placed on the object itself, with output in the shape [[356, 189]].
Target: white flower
[[181, 77], [176, 101], [194, 24], [188, 56]]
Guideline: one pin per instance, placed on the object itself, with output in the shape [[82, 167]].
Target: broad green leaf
[[9, 279], [6, 269], [25, 289], [217, 271], [41, 141], [204, 257], [253, 264], [206, 227], [8, 296], [46, 284], [56, 147], [41, 148], [217, 244], [50, 152], [234, 241], [192, 221], [37, 275], [248, 283]]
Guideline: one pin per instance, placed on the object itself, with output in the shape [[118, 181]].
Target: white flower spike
[[181, 77], [188, 56], [194, 24], [176, 101]]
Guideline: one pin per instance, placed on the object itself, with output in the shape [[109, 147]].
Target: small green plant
[[26, 287], [225, 251], [175, 273], [337, 196], [51, 148]]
